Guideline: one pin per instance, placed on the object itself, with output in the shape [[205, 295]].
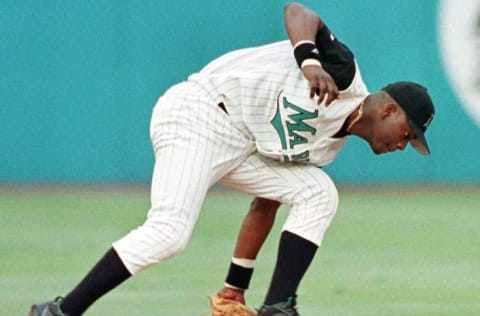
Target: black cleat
[[287, 308], [50, 308]]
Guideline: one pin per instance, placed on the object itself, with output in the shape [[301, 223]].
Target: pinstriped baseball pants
[[196, 144]]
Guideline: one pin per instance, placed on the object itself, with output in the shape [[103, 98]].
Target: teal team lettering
[[295, 124]]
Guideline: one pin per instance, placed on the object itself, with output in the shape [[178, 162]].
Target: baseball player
[[261, 120]]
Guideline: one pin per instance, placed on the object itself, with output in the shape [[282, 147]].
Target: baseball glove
[[225, 307]]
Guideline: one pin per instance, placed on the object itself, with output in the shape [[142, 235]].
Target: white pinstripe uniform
[[270, 144]]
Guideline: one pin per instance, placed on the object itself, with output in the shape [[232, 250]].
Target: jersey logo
[[294, 123]]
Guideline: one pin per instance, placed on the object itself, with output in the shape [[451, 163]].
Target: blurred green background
[[388, 252], [77, 86]]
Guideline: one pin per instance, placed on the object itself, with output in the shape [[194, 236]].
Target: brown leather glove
[[225, 307]]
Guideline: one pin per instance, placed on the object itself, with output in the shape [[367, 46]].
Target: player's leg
[[164, 234], [254, 230], [313, 199], [193, 149], [195, 145]]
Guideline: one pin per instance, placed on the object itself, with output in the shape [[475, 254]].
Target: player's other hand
[[321, 84]]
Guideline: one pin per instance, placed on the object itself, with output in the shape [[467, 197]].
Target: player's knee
[[329, 196], [178, 244], [159, 238], [322, 199], [313, 211], [170, 234]]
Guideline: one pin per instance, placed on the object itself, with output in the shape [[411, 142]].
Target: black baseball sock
[[104, 276], [293, 259]]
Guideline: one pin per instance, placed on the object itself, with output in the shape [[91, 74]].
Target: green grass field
[[388, 252]]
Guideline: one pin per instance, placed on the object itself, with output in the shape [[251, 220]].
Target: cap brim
[[419, 142]]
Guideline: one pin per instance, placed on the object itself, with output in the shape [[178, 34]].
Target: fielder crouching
[[262, 120]]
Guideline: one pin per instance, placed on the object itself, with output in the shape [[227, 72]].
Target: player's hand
[[321, 84], [232, 294]]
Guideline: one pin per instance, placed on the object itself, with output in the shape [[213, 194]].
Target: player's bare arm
[[302, 25], [254, 230]]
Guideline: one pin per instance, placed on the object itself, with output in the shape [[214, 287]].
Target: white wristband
[[302, 42], [246, 263], [233, 287], [311, 62]]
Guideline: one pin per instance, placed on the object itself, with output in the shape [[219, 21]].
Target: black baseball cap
[[417, 104]]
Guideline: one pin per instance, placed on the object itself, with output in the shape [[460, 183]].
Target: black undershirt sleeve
[[336, 58]]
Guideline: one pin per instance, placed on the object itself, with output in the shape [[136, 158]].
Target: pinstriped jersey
[[267, 96]]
